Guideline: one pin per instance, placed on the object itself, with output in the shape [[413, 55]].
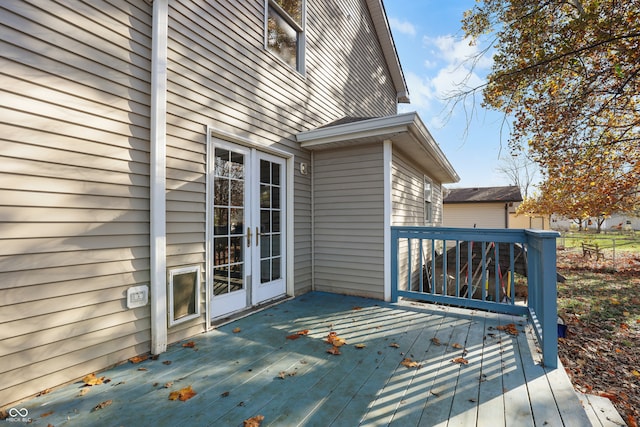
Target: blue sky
[[432, 51]]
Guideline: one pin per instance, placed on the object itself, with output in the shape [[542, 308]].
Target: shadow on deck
[[256, 370]]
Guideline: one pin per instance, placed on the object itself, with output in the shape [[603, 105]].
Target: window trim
[[428, 213], [299, 28]]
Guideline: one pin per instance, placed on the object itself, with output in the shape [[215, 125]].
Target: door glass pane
[[270, 221], [228, 221]]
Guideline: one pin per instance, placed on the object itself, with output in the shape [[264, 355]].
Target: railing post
[[542, 251]]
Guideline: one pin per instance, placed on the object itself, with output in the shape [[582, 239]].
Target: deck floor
[[248, 367]]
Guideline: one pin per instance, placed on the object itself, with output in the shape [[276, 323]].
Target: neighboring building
[[484, 207], [616, 222], [165, 164]]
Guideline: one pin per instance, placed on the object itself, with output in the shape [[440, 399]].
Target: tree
[[520, 170], [568, 72]]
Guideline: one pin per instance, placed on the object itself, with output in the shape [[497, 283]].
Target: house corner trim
[[158, 134]]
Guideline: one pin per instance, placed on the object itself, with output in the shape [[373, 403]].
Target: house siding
[[407, 201], [475, 215], [349, 221], [220, 75], [74, 189]]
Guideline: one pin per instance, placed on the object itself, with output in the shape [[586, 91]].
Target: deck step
[[601, 411]]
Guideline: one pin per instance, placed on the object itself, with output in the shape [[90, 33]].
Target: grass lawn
[[601, 307]]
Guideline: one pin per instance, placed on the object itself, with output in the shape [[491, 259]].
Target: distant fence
[[613, 249]]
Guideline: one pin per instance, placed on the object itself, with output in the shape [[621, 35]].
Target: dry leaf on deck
[[253, 421], [360, 346], [83, 391], [436, 341], [189, 344], [102, 405], [394, 345], [510, 329], [460, 360], [92, 380], [335, 340], [183, 394], [236, 330], [356, 308], [410, 363], [303, 332], [334, 350], [293, 337], [456, 345], [139, 359]]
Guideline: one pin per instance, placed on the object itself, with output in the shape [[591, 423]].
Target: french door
[[247, 256]]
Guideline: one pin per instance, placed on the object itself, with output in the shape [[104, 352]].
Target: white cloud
[[404, 27], [455, 51]]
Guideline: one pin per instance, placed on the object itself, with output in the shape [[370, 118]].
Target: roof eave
[[383, 31]]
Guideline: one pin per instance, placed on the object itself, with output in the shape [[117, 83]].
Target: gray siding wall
[[407, 201], [221, 75], [349, 221], [74, 189]]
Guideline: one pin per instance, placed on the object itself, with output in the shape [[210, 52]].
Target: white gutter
[[158, 175]]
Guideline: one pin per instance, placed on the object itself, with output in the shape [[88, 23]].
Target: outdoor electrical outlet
[[138, 296]]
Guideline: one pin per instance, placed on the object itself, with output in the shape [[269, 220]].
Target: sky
[[432, 51]]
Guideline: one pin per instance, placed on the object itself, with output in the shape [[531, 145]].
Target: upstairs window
[[284, 31], [428, 205]]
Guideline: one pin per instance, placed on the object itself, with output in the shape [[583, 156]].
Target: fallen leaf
[[394, 345], [334, 350], [436, 341], [102, 405], [635, 372], [139, 359], [460, 360], [183, 394], [456, 345], [356, 308], [167, 362], [189, 344], [142, 369], [303, 332], [236, 330], [224, 394], [410, 363], [510, 329], [359, 346], [284, 374], [92, 380], [83, 391], [168, 385], [293, 337], [43, 392], [335, 340], [46, 414], [253, 421]]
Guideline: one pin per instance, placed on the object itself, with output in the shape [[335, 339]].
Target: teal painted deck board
[[235, 375]]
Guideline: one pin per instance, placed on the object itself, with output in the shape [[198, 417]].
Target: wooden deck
[[248, 367]]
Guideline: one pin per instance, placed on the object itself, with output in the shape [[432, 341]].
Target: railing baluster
[[457, 268], [445, 276]]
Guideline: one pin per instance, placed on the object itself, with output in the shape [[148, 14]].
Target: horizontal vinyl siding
[[474, 215], [348, 220], [74, 189], [220, 75]]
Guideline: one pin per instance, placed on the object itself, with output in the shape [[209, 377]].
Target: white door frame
[[211, 135]]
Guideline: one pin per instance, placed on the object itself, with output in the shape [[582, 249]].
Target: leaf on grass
[[139, 359], [236, 330], [360, 346], [253, 421], [394, 345], [189, 344], [635, 372], [456, 345], [102, 405], [410, 363], [436, 341], [510, 329], [92, 380], [183, 394], [334, 350], [460, 360]]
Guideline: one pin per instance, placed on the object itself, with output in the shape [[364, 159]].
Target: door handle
[[248, 237], [257, 236]]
